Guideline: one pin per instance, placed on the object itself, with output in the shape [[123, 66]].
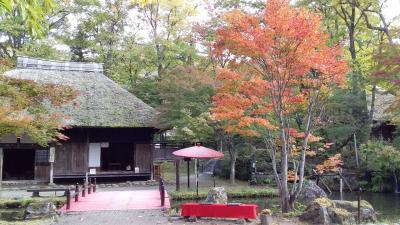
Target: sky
[[392, 9]]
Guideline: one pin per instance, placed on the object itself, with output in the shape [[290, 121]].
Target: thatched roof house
[[101, 102], [112, 130], [383, 100], [382, 118]]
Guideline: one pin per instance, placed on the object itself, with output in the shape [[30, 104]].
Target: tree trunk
[[232, 170], [372, 109], [233, 156], [356, 150], [396, 182], [284, 190]]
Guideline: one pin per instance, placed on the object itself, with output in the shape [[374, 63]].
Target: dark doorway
[[19, 164], [117, 157]]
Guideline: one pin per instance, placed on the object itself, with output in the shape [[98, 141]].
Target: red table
[[242, 211]]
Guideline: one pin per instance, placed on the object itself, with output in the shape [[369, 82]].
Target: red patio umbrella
[[197, 152]]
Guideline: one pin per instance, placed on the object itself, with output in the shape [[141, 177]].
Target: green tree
[[382, 160], [186, 98]]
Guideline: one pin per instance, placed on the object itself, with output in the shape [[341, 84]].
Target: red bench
[[242, 211]]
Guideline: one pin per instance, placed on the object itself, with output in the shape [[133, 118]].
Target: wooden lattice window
[[42, 156]]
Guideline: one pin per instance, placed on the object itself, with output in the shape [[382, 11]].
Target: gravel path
[[139, 217], [147, 217]]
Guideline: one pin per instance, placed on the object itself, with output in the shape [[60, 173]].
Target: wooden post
[[51, 174], [86, 177], [51, 160], [68, 199], [197, 177], [359, 205], [177, 175], [94, 185], [188, 173], [76, 192], [89, 187], [84, 189], [341, 184], [1, 167]]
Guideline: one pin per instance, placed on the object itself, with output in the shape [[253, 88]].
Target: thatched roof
[[383, 100], [101, 102]]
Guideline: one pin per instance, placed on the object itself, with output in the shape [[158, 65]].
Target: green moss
[[23, 202], [341, 212], [324, 202]]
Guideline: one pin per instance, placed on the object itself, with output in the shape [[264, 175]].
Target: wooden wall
[[42, 172], [143, 157], [71, 157]]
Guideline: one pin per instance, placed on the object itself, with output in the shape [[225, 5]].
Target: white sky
[[392, 9]]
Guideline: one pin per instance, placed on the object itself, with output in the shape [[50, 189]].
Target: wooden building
[[384, 121], [110, 136]]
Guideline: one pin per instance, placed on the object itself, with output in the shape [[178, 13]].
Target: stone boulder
[[367, 211], [311, 191], [40, 210], [325, 211], [217, 195], [317, 211]]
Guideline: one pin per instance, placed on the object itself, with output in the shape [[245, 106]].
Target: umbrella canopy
[[198, 152]]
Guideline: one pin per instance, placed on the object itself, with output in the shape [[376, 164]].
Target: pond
[[386, 204]]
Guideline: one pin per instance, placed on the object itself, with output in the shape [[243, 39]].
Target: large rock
[[325, 211], [311, 191], [217, 195], [40, 210], [367, 211], [317, 212]]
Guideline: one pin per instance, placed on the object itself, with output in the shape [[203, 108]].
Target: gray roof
[[100, 102]]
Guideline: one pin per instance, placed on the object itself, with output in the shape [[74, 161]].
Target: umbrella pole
[[197, 177], [177, 174], [188, 174]]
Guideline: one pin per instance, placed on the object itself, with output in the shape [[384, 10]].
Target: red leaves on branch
[[278, 60]]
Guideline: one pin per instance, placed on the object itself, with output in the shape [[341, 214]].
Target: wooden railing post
[[162, 192], [94, 184], [83, 189], [76, 192], [68, 199], [89, 187], [359, 205]]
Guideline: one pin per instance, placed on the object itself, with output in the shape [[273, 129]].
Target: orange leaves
[[278, 62], [333, 163], [292, 176], [283, 43]]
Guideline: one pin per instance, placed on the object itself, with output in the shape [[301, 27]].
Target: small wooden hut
[[111, 130], [383, 120]]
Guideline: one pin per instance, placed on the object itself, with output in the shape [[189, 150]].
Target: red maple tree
[[280, 71]]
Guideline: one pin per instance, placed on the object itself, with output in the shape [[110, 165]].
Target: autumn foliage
[[332, 164], [280, 74], [279, 58], [24, 109]]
